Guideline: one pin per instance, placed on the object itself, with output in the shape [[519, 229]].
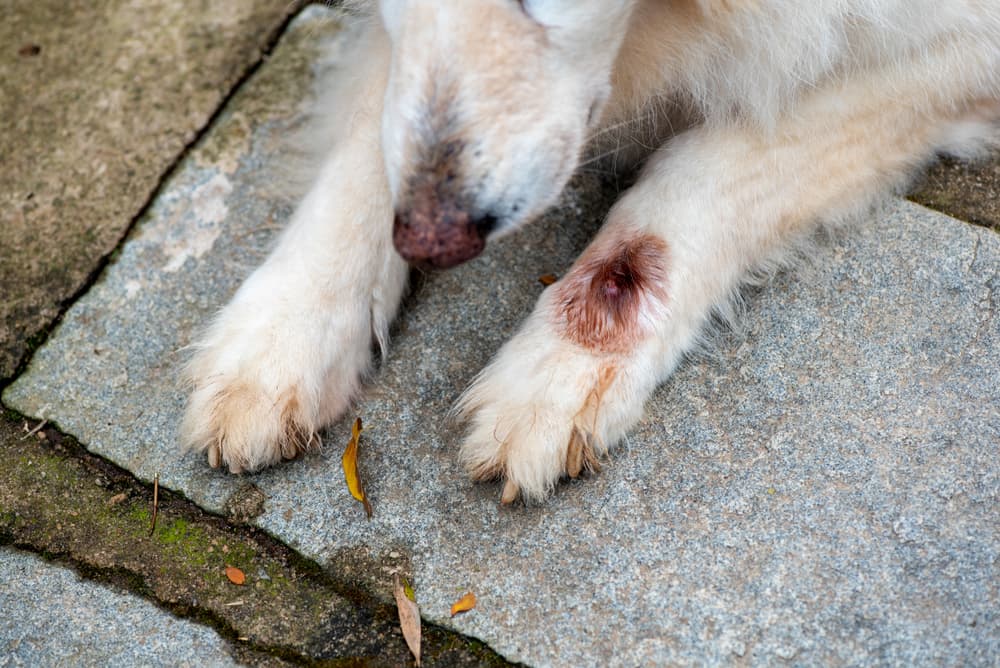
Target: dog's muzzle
[[439, 234]]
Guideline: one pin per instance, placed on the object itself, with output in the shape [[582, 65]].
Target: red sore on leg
[[617, 282]]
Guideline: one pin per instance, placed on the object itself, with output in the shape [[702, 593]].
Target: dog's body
[[466, 119]]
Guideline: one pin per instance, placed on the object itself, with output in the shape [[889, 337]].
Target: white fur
[[797, 113]]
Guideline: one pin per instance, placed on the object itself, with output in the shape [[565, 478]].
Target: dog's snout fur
[[437, 224], [437, 231]]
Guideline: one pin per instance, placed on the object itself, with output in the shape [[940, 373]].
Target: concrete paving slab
[[823, 489], [97, 99], [52, 617]]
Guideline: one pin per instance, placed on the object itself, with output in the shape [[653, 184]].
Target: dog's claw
[[213, 456], [580, 454], [574, 453], [510, 492]]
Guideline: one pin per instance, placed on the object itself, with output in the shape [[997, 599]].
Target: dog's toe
[[241, 426], [545, 409], [213, 456]]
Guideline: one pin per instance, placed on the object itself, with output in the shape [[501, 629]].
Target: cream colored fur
[[795, 113]]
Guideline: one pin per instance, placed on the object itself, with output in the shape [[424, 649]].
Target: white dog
[[465, 119]]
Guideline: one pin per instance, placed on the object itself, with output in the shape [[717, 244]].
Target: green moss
[[173, 532], [35, 468], [185, 543], [140, 513], [7, 519], [242, 553]]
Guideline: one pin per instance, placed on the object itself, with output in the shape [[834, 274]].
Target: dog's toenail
[[510, 492], [574, 454]]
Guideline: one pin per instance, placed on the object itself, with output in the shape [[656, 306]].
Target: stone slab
[[820, 489], [52, 617], [56, 500], [97, 99]]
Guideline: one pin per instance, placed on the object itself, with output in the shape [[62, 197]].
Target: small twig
[[156, 502], [37, 428], [235, 603]]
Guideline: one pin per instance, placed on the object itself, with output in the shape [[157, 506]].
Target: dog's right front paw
[[269, 374], [258, 400], [242, 426]]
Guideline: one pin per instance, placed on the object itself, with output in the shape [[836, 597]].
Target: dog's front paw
[[270, 373], [546, 408], [244, 425]]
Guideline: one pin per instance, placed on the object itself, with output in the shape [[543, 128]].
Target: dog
[[752, 122]]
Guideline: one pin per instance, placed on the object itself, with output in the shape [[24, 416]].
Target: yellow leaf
[[408, 590], [235, 575], [464, 604], [547, 279], [409, 617], [350, 463]]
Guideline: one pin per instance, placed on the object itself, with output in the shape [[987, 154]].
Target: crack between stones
[[455, 648], [39, 338]]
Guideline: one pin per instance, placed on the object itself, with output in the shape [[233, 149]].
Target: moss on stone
[[64, 503]]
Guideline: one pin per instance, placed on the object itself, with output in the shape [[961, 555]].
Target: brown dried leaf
[[235, 575], [547, 279], [350, 463], [464, 604], [409, 617]]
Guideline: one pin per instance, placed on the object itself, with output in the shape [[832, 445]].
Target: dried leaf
[[409, 617], [547, 279], [235, 575], [464, 604], [350, 463], [408, 590]]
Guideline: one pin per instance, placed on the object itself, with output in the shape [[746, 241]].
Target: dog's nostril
[[485, 225]]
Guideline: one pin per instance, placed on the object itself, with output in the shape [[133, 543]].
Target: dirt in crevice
[[969, 191], [79, 510]]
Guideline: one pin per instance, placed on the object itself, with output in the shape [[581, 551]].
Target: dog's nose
[[439, 235]]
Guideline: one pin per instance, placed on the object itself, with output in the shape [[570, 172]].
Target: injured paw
[[544, 410]]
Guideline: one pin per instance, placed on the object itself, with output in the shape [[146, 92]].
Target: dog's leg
[[287, 355], [712, 206]]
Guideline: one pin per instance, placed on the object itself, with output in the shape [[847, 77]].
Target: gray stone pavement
[[97, 99], [62, 502], [52, 617], [821, 488]]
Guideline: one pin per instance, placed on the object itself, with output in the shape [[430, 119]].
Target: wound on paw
[[602, 299]]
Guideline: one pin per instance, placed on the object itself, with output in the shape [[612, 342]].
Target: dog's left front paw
[[546, 408]]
